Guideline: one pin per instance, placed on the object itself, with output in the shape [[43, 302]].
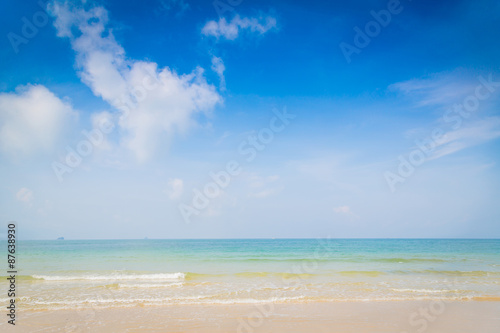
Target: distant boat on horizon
[[60, 238]]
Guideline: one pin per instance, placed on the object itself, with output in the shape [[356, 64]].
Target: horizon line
[[261, 238]]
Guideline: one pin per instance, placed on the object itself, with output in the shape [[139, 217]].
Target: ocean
[[66, 274]]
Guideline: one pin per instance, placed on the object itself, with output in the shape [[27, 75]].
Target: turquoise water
[[108, 273]]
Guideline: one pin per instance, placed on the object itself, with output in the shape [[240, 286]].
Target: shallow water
[[110, 273]]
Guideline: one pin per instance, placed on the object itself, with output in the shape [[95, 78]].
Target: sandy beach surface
[[396, 316]]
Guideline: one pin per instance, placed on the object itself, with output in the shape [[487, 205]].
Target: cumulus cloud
[[342, 210], [98, 120], [231, 30], [175, 188], [31, 120], [154, 102], [346, 211]]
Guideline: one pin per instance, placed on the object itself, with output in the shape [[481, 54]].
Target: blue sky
[[397, 139]]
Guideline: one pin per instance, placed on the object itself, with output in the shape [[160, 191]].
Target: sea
[[64, 274]]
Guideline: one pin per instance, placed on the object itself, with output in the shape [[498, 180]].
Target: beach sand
[[340, 317]]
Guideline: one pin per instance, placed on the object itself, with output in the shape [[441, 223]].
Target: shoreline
[[340, 317]]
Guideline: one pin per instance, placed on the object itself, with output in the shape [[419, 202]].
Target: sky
[[250, 119]]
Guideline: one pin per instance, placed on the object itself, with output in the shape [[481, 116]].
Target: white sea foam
[[144, 277], [422, 290], [150, 285], [207, 300], [163, 301]]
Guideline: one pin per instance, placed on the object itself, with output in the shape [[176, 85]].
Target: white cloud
[[232, 29], [175, 188], [31, 120], [98, 119], [155, 102], [256, 181], [179, 6], [24, 195], [263, 186], [224, 136], [342, 209], [442, 89], [450, 92], [219, 68], [447, 88], [264, 193], [476, 133], [346, 211]]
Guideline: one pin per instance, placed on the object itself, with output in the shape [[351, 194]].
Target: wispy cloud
[[178, 6], [264, 193], [219, 68], [476, 133], [231, 30], [263, 187], [223, 137], [449, 92], [441, 89]]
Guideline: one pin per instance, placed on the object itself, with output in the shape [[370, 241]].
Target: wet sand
[[340, 317]]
